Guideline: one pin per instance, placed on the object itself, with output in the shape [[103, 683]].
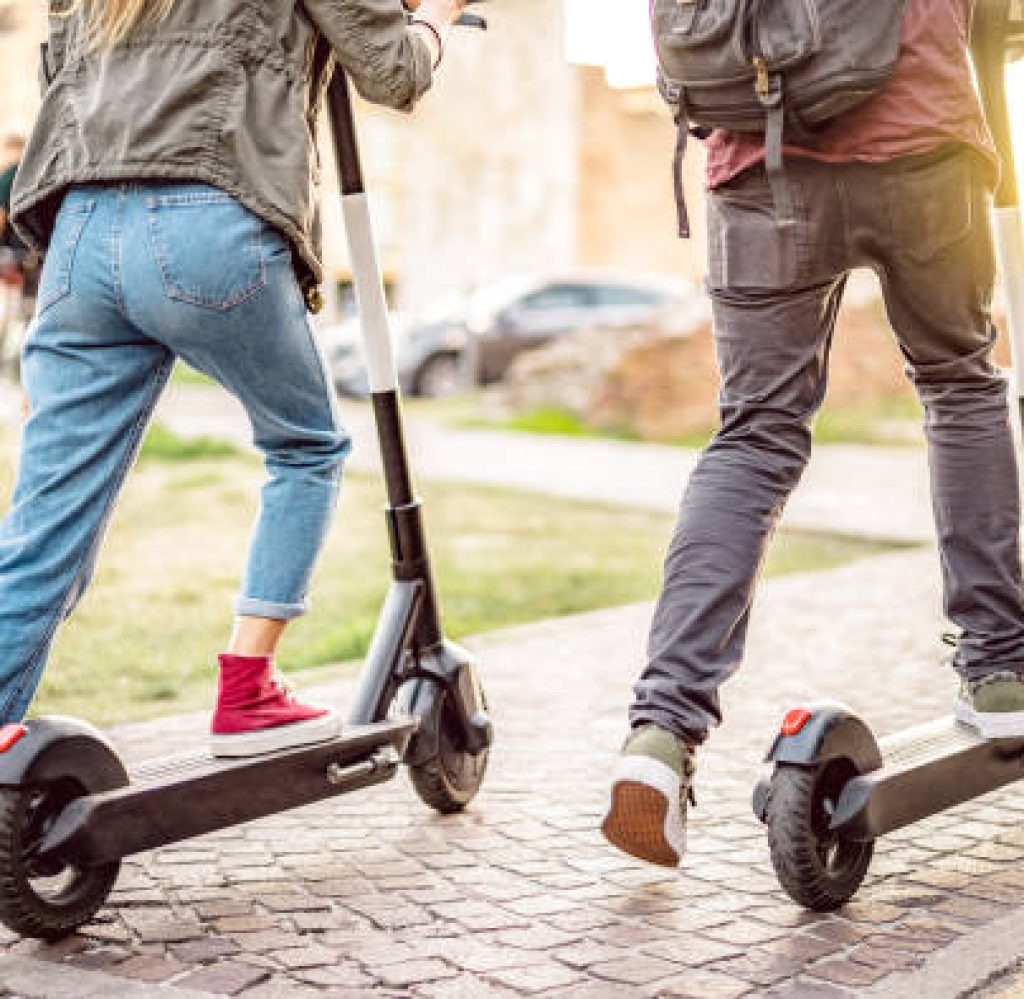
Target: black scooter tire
[[449, 781], [23, 908], [817, 870]]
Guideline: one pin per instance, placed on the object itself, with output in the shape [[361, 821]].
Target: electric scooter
[[835, 788], [70, 808]]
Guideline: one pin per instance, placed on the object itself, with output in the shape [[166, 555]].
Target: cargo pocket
[[932, 206], [747, 248], [208, 247], [55, 280]]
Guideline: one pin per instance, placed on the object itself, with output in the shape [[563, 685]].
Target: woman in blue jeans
[[171, 178]]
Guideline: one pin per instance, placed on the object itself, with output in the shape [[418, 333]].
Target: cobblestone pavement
[[374, 895]]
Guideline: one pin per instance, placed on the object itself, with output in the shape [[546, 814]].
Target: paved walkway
[[373, 895], [879, 493]]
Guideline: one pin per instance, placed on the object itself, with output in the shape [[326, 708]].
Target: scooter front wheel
[[40, 896], [450, 780], [817, 869]]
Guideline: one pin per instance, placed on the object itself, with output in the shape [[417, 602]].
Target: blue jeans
[[136, 276]]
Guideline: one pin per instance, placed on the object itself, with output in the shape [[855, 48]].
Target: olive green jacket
[[225, 92]]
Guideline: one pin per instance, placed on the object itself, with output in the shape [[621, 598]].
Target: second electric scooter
[[835, 788], [70, 809]]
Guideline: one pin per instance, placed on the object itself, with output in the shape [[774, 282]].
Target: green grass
[[183, 374], [889, 421], [162, 444], [142, 642]]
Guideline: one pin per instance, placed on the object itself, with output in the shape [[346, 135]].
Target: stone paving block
[[801, 948], [310, 956], [479, 916], [478, 957], [284, 989], [887, 958], [99, 958], [580, 921], [692, 950], [387, 911], [585, 953], [842, 971], [224, 978], [636, 970], [970, 909], [598, 990], [221, 908], [701, 985], [166, 931], [745, 931], [294, 903], [761, 967], [533, 978], [148, 968], [807, 990], [463, 987], [348, 975], [415, 972], [264, 941], [244, 924], [315, 922], [204, 949], [538, 937]]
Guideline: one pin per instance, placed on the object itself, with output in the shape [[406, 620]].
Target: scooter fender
[[452, 670], [831, 731], [56, 748]]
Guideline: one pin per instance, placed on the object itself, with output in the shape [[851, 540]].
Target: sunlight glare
[[613, 34], [1015, 100]]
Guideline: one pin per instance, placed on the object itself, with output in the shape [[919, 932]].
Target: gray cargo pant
[[922, 224]]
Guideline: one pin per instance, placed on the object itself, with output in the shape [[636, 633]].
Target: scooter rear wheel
[[817, 869], [39, 896], [451, 780]]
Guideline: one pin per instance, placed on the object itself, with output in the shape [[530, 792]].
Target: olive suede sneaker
[[994, 705], [647, 814]]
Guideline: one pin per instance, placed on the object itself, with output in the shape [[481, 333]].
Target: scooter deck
[[924, 770], [178, 797]]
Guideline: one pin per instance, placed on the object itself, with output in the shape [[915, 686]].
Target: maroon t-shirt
[[929, 100]]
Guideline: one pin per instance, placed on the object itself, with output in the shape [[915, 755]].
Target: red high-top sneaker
[[257, 713]]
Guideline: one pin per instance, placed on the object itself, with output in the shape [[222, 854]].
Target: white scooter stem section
[[1010, 246], [369, 287]]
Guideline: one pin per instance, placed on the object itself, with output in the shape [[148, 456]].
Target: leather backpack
[[784, 68]]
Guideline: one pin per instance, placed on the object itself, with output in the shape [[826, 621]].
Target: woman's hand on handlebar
[[432, 21]]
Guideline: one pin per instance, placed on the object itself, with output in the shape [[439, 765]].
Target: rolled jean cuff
[[251, 607]]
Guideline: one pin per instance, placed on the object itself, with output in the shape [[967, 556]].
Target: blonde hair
[[110, 22]]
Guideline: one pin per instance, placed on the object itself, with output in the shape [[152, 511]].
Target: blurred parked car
[[474, 338]]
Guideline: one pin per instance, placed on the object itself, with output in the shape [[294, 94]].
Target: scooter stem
[[410, 559]]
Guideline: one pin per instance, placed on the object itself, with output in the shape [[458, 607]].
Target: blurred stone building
[[518, 161]]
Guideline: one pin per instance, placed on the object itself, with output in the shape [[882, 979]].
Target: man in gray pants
[[902, 185]]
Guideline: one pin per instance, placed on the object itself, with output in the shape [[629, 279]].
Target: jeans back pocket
[[208, 248], [55, 280], [932, 205]]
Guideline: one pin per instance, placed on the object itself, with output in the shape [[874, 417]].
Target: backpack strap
[[682, 135], [769, 92]]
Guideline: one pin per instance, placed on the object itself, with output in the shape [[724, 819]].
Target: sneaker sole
[[272, 740], [991, 724], [641, 820]]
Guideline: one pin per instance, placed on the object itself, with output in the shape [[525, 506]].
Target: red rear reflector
[[794, 721], [10, 734]]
